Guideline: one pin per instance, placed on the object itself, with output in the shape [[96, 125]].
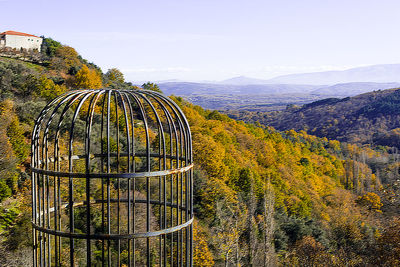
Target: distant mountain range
[[376, 73], [188, 88], [341, 83], [343, 89], [353, 88], [244, 93]]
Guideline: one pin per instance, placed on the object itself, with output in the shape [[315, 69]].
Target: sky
[[154, 40]]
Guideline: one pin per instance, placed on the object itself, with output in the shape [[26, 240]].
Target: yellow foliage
[[88, 78], [371, 200], [48, 89], [65, 58], [201, 253]]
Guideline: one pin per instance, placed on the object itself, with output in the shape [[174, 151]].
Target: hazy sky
[[215, 39]]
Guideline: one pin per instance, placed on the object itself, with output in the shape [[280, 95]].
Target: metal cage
[[112, 181]]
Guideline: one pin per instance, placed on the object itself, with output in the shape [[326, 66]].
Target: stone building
[[20, 40]]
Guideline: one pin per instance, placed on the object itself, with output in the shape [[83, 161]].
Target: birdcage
[[112, 181]]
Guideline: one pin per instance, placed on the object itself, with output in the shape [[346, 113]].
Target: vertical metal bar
[[89, 120], [118, 181], [33, 207], [35, 163], [59, 206], [161, 141], [71, 215], [128, 141], [43, 206], [40, 221], [102, 182], [87, 163], [55, 203], [71, 182], [160, 136], [186, 219], [147, 181], [108, 179], [181, 206], [148, 167], [186, 207], [47, 203], [131, 169], [38, 217]]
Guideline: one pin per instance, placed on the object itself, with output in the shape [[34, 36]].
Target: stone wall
[[33, 56]]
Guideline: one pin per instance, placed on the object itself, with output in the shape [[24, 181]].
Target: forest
[[369, 118], [263, 197]]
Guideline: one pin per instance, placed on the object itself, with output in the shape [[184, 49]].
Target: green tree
[[151, 86], [115, 75], [50, 46], [5, 191]]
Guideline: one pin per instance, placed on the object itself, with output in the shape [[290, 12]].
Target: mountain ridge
[[374, 73], [368, 118], [378, 73]]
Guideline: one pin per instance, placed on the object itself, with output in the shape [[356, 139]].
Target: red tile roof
[[17, 33]]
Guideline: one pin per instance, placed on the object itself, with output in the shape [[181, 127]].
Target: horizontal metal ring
[[112, 175], [113, 236], [115, 200], [113, 155]]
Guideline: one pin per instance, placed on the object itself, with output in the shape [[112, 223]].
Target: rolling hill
[[369, 118]]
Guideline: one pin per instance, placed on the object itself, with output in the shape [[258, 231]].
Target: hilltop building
[[20, 40]]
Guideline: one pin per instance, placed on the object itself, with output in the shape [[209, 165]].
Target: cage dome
[[112, 181]]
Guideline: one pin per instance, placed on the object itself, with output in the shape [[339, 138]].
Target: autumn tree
[[202, 255], [311, 253], [370, 200], [88, 78], [47, 89], [229, 226], [387, 252], [268, 224], [65, 58], [8, 160]]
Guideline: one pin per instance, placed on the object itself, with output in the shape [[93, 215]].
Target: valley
[[257, 181], [264, 97]]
